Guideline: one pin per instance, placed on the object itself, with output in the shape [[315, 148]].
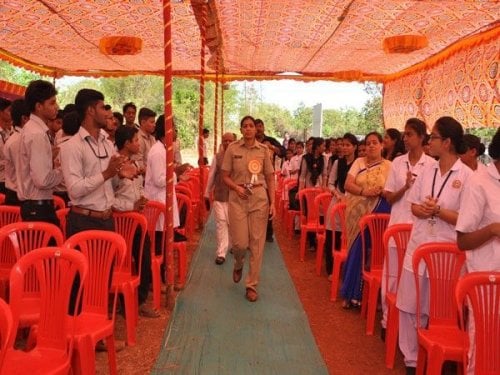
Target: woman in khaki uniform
[[247, 170]]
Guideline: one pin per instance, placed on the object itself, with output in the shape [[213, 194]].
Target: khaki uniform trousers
[[247, 227]]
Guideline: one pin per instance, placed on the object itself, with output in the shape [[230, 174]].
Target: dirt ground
[[339, 333]]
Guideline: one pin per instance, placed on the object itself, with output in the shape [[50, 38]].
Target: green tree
[[17, 75]]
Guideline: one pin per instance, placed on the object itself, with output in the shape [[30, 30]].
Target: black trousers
[[37, 211], [146, 277], [11, 198]]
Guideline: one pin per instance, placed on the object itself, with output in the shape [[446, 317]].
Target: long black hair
[[315, 165]]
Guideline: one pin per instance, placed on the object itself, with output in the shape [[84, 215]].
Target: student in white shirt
[[435, 201], [286, 167], [478, 225], [474, 149], [404, 170]]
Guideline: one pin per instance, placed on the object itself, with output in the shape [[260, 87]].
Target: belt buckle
[[248, 186]]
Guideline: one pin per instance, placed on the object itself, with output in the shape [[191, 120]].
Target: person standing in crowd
[[247, 170], [129, 196], [118, 118], [111, 124], [36, 171], [362, 148], [277, 151], [146, 137], [474, 149], [286, 140], [296, 160], [393, 145], [129, 113], [6, 131], [435, 200], [20, 116], [364, 184], [220, 190], [88, 164], [478, 226], [336, 185], [404, 170], [285, 168], [204, 148]]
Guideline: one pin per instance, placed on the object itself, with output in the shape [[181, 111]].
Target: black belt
[[39, 202]]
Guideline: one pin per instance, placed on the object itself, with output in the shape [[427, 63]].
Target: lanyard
[[442, 186]]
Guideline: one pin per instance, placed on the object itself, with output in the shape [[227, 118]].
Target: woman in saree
[[364, 186]]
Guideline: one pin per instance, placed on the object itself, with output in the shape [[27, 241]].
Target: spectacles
[[432, 136], [95, 153]]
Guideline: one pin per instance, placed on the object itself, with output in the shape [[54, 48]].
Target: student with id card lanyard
[[435, 200]]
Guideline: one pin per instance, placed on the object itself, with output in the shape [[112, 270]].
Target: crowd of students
[[435, 182]]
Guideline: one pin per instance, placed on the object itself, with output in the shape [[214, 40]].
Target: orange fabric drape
[[169, 230], [464, 86]]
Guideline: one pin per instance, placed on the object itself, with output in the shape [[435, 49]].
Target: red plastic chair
[[480, 292], [373, 263], [62, 215], [59, 203], [289, 213], [55, 268], [184, 202], [2, 198], [442, 340], [8, 215], [152, 212], [23, 237], [7, 333], [103, 251], [339, 257], [309, 217], [400, 233], [321, 202], [127, 278]]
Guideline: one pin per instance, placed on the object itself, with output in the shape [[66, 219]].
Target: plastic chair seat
[[100, 324], [451, 341]]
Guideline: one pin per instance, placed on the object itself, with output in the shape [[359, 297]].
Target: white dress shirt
[[36, 176], [11, 150], [83, 159]]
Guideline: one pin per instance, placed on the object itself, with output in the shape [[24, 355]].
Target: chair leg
[[319, 252], [110, 343], [391, 337], [156, 279], [337, 265], [365, 298], [130, 316], [83, 356], [421, 360], [302, 248], [435, 360], [373, 291]]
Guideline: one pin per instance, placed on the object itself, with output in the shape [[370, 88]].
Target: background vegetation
[[148, 91]]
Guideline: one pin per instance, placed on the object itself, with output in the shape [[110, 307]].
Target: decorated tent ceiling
[[328, 39]]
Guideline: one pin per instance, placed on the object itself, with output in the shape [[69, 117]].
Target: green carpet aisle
[[215, 330]]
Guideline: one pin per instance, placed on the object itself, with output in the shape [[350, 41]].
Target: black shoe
[[179, 237], [411, 370], [270, 239], [382, 333], [220, 260]]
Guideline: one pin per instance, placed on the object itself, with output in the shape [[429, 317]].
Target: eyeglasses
[[432, 136], [95, 153]]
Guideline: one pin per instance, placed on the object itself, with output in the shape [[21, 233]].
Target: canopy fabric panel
[[465, 86], [11, 91], [320, 39]]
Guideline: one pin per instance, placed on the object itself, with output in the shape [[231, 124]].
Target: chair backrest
[[62, 215], [183, 189], [153, 210], [126, 224], [376, 225], [480, 291], [322, 202], [58, 202], [184, 207], [7, 334], [308, 213], [27, 236], [400, 234], [338, 211], [444, 264], [55, 268], [287, 185], [104, 250], [9, 215]]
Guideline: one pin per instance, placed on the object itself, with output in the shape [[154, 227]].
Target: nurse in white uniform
[[404, 170], [478, 224], [474, 149], [435, 201]]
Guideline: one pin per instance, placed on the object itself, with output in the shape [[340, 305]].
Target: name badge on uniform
[[254, 167]]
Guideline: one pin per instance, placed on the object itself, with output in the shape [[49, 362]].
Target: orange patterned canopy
[[256, 39]]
